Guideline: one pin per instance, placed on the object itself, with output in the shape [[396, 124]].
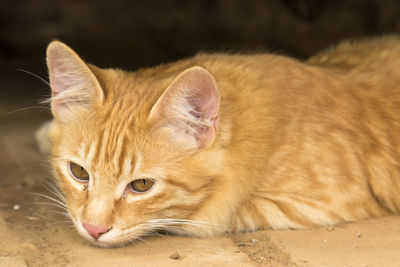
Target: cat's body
[[244, 142]]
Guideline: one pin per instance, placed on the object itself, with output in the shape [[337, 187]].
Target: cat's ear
[[190, 106], [73, 86]]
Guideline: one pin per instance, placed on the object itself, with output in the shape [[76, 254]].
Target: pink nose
[[95, 230]]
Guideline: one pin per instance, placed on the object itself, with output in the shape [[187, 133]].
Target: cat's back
[[368, 54], [341, 83]]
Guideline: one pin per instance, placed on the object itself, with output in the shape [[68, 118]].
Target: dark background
[[133, 34]]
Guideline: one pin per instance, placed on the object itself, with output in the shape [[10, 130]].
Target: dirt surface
[[33, 233]]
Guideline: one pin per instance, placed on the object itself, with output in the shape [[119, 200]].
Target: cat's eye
[[142, 185], [78, 172]]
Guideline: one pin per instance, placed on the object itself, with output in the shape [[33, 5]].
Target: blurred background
[[133, 34]]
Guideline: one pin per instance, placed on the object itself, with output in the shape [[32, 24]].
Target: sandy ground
[[32, 233]]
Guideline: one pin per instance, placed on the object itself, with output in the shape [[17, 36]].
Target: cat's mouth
[[111, 237]]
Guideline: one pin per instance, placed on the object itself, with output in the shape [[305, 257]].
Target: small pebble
[[31, 218], [358, 234], [254, 240], [16, 207], [18, 186], [330, 228], [174, 256], [325, 240]]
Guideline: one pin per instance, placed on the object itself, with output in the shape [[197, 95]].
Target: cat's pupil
[[141, 185], [79, 172]]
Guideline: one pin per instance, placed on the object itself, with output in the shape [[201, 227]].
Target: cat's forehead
[[112, 136], [108, 139], [115, 141], [132, 90], [109, 150]]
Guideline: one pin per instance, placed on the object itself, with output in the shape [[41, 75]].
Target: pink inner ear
[[206, 103], [57, 81], [209, 105], [58, 64], [204, 93], [57, 84], [72, 83], [192, 102]]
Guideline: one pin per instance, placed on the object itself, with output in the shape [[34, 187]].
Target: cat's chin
[[107, 244]]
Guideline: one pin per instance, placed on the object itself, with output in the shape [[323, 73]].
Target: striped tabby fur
[[232, 142]]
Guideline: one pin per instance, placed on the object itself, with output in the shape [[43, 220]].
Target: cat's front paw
[[42, 138]]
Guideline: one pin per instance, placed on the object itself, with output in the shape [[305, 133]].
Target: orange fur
[[296, 144]]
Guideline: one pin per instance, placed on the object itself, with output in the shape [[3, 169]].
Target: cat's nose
[[95, 230]]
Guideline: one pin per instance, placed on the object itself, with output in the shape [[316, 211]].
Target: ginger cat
[[219, 143]]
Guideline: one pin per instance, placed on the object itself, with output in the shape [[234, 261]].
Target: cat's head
[[133, 152]]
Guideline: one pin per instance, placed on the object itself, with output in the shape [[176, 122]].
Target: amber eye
[[142, 185], [78, 172]]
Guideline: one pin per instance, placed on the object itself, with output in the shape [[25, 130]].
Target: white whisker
[[50, 204], [170, 221], [52, 188], [26, 108], [62, 213], [51, 198], [34, 75], [59, 222]]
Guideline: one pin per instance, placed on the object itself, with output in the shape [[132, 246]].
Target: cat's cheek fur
[[74, 193], [42, 137]]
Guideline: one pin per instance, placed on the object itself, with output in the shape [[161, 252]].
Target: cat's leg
[[42, 138], [263, 213], [296, 211]]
